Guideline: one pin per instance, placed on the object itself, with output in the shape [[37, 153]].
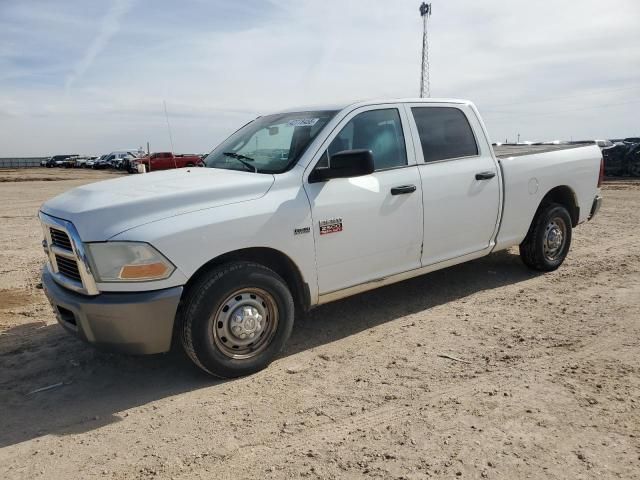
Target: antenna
[[425, 84], [166, 115]]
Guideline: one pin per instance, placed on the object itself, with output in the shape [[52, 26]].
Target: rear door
[[460, 181], [366, 228]]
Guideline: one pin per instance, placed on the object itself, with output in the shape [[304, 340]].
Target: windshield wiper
[[243, 160], [238, 155]]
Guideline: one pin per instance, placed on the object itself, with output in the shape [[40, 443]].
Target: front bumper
[[595, 207], [135, 323]]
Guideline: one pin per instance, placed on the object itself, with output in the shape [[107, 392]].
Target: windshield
[[269, 144]]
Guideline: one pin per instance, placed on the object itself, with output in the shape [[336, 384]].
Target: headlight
[[128, 262]]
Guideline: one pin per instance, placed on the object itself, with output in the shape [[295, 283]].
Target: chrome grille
[[68, 262], [60, 239], [68, 268]]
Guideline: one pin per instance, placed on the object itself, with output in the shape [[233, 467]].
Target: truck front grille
[[68, 268], [60, 239], [67, 256]]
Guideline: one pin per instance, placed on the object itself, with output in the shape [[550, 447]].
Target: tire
[[189, 165], [547, 243], [235, 319]]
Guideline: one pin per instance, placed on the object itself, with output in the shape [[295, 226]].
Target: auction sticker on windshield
[[303, 122]]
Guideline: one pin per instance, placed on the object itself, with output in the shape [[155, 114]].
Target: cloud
[[554, 70], [109, 27]]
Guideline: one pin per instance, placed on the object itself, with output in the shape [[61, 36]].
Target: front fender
[[278, 221]]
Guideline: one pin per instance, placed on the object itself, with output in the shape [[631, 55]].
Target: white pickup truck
[[294, 210]]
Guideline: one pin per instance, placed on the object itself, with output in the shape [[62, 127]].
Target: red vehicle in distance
[[166, 161]]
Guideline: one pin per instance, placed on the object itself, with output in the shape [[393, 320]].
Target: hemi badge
[[300, 231]]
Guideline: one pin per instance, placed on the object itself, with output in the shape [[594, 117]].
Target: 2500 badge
[[332, 225]]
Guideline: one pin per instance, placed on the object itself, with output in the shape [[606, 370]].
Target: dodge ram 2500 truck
[[297, 209]]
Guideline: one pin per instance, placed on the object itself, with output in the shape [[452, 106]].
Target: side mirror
[[345, 164]]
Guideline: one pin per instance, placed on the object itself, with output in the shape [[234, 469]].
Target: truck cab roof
[[377, 101]]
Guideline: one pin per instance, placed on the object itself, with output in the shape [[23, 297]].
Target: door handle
[[485, 175], [403, 189]]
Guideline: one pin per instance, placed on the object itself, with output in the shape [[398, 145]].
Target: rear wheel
[[236, 318], [547, 243]]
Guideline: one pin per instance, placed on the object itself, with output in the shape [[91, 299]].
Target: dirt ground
[[549, 387]]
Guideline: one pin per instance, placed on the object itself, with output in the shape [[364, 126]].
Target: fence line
[[21, 162]]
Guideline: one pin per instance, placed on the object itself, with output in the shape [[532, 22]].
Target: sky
[[90, 77]]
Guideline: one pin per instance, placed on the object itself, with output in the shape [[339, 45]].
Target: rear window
[[444, 133]]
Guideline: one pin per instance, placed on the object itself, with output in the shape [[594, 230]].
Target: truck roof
[[376, 101]]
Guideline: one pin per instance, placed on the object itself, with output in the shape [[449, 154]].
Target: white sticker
[[303, 122]]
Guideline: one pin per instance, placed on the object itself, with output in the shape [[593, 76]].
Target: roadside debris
[[455, 359], [47, 388]]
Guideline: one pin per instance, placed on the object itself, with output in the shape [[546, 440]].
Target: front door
[[368, 227]]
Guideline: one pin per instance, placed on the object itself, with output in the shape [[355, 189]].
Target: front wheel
[[236, 318], [547, 243]]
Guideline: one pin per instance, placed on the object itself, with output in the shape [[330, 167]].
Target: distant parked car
[[126, 163], [634, 160], [622, 158], [57, 160], [69, 162], [166, 161], [92, 161], [101, 163], [604, 143], [81, 162], [115, 159]]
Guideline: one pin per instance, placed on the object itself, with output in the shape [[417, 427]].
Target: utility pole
[[425, 87], [173, 151], [166, 116]]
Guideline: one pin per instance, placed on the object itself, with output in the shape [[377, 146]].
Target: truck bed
[[504, 151], [531, 171]]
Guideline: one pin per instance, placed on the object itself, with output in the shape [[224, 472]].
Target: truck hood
[[102, 210]]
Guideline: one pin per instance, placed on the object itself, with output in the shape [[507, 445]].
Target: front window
[[377, 130], [269, 144]]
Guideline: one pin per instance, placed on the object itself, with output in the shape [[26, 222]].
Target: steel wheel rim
[[555, 238], [245, 323]]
